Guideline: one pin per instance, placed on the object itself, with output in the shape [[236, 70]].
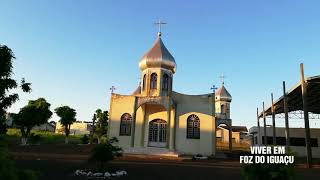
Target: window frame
[[144, 82], [165, 82], [193, 127], [125, 124]]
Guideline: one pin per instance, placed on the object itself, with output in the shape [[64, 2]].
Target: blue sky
[[73, 51]]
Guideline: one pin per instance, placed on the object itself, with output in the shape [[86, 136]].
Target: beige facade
[[222, 135], [157, 117]]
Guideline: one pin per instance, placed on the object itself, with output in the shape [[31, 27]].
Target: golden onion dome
[[158, 57]]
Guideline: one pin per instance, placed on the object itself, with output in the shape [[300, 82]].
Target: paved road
[[51, 169], [62, 166]]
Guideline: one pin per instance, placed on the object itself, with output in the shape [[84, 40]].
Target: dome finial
[[222, 77], [160, 23]]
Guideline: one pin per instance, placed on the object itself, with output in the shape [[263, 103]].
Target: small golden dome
[[158, 57]]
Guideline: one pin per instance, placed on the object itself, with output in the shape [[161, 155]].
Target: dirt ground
[[60, 162], [57, 169], [53, 170]]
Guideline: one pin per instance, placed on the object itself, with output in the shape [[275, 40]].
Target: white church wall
[[203, 107]]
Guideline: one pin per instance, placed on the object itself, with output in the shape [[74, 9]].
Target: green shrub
[[104, 152], [34, 138], [84, 139], [8, 170], [103, 139], [14, 132], [27, 175], [93, 139], [269, 171]]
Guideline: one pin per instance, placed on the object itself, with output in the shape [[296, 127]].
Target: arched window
[[125, 124], [193, 127], [153, 84], [165, 82], [144, 82]]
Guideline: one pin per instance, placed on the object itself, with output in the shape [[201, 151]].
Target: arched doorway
[[224, 135], [158, 133]]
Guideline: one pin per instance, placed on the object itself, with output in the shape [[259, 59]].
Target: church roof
[[158, 56], [137, 91], [223, 94]]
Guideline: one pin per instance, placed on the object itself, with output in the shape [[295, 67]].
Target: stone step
[[152, 151]]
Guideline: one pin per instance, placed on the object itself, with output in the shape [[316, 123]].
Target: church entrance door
[[158, 133]]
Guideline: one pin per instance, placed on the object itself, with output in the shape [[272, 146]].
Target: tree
[[102, 153], [35, 113], [7, 84], [67, 117], [101, 128], [94, 118]]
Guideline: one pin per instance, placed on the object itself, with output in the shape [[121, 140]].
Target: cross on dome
[[222, 77], [160, 23]]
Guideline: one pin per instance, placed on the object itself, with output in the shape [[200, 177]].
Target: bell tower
[[222, 102]]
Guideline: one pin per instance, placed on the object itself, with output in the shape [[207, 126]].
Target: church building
[[154, 116]]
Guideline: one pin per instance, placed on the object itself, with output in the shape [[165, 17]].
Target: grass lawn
[[46, 137]]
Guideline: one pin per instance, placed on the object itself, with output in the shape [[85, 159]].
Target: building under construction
[[301, 101]]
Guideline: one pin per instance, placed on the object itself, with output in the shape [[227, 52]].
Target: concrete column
[[286, 116], [133, 127], [170, 84], [143, 128], [172, 122], [273, 121], [169, 143], [264, 125], [174, 127], [306, 116], [159, 82]]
